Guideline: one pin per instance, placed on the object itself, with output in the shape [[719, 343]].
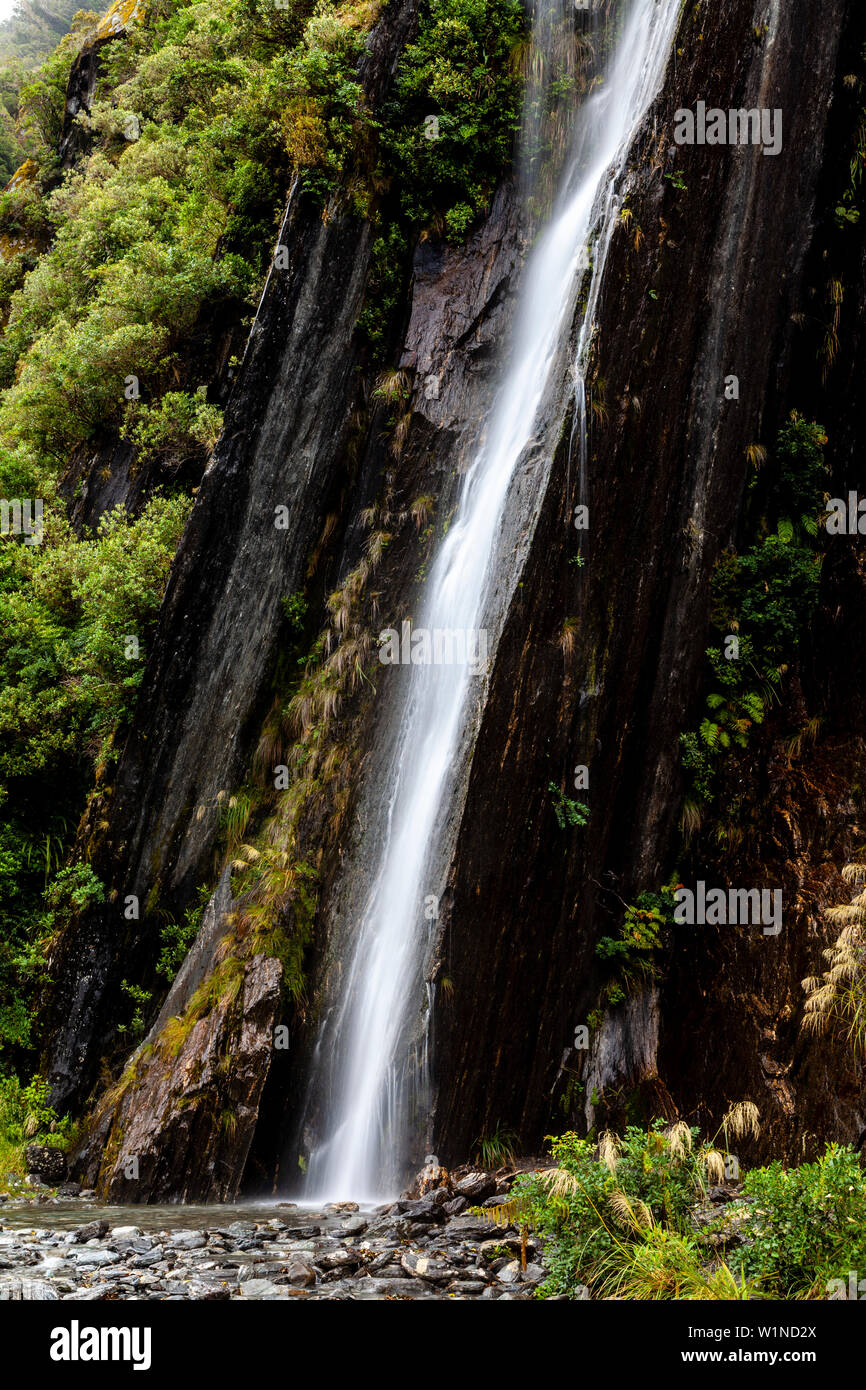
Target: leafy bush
[[808, 1224], [67, 608], [176, 939], [180, 427], [616, 1217], [459, 69], [141, 999], [27, 1118], [76, 888], [574, 1205]]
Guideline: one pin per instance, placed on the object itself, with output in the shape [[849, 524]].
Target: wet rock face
[[725, 239], [182, 1126], [221, 618], [85, 74], [722, 254], [208, 675], [83, 78], [462, 303]]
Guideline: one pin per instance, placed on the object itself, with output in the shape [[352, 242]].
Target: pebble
[[337, 1254]]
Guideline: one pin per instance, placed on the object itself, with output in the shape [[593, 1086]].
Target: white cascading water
[[381, 987]]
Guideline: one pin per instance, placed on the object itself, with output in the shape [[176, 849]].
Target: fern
[[517, 1211], [568, 813]]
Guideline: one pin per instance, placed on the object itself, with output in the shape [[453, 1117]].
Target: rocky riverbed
[[64, 1247]]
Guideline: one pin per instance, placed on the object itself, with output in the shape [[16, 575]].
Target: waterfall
[[382, 990]]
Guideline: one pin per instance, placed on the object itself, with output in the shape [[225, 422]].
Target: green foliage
[[42, 99], [180, 427], [26, 1117], [498, 1148], [29, 916], [631, 955], [384, 285], [660, 1264], [175, 939], [808, 1224], [324, 123], [568, 813], [66, 610], [617, 1218], [572, 1204], [141, 1000], [294, 608], [459, 70], [75, 888]]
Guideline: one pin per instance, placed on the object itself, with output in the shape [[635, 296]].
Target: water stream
[[361, 1153]]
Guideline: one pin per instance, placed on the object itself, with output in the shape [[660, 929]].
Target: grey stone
[[47, 1163], [189, 1240], [27, 1290], [94, 1230], [476, 1186]]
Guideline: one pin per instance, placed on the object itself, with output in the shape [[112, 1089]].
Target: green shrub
[[176, 939], [572, 1206], [27, 1118], [179, 427], [460, 70], [808, 1224], [67, 608], [631, 955], [75, 888]]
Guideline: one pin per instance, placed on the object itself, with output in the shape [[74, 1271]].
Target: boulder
[[49, 1165], [298, 1273], [189, 1240], [425, 1267], [94, 1230], [468, 1228], [475, 1187], [163, 1137]]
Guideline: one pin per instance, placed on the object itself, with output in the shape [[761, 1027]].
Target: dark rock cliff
[[207, 677], [730, 240], [725, 254]]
